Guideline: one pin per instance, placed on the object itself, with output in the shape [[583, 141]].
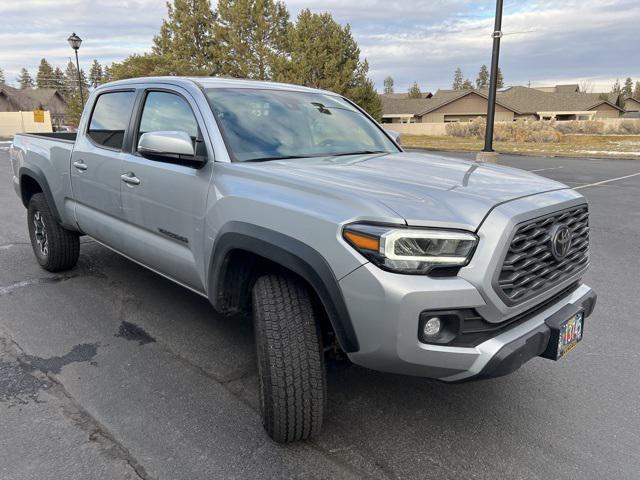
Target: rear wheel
[[290, 359], [55, 247]]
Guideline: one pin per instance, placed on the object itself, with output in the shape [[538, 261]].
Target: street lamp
[[491, 108], [75, 41]]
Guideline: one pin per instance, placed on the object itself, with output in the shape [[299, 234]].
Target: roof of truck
[[217, 82]]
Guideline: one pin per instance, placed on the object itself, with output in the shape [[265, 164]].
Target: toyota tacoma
[[294, 206]]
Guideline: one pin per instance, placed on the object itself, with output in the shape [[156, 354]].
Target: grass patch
[[607, 146]]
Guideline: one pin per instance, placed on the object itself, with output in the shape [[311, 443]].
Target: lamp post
[[75, 41], [493, 83]]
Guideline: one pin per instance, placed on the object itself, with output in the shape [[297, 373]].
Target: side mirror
[[395, 135], [173, 145]]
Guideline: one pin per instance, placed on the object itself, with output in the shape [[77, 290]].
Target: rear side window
[[110, 118]]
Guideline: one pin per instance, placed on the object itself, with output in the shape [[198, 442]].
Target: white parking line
[[544, 169], [607, 181]]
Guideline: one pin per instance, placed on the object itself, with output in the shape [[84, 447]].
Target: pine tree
[[414, 91], [71, 80], [25, 79], [458, 79], [84, 80], [2, 81], [324, 54], [44, 77], [627, 90], [636, 91], [500, 81], [146, 65], [363, 91], [106, 74], [58, 79], [74, 108], [467, 85], [388, 85], [184, 45], [483, 77], [251, 36], [95, 74]]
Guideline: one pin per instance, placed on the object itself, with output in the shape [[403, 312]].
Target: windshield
[[274, 124]]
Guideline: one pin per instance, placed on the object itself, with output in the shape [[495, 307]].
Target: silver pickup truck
[[293, 205]]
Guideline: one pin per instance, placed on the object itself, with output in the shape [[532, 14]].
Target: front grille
[[530, 268]]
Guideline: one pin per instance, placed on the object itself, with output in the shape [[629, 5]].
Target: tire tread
[[64, 245], [290, 356]]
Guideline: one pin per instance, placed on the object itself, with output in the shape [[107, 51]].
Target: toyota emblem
[[560, 240]]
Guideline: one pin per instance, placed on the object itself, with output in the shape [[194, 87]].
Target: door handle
[[130, 179], [80, 165]]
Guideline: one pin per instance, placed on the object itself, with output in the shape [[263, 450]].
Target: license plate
[[570, 334], [565, 334]]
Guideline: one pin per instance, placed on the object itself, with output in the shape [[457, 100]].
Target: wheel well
[[239, 272], [29, 186]]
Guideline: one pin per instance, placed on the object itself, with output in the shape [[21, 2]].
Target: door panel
[[165, 215], [165, 207], [96, 165]]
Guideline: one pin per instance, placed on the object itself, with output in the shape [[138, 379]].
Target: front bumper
[[387, 327], [515, 353], [385, 307]]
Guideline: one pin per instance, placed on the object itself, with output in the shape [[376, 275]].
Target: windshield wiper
[[288, 157], [282, 157], [361, 152]]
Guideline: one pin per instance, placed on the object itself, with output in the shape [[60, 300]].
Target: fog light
[[432, 327]]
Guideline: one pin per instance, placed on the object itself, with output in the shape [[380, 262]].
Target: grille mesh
[[529, 268]]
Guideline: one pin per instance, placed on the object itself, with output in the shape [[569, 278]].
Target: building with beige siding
[[26, 100], [563, 102], [632, 104]]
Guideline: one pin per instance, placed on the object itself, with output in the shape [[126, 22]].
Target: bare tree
[[586, 86]]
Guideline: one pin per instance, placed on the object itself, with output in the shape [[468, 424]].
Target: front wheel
[[290, 359], [55, 247]]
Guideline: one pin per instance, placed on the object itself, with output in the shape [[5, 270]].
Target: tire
[[291, 370], [55, 247]]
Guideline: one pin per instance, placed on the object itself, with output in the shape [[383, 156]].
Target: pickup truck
[[294, 206]]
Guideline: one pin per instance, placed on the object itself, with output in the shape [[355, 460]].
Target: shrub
[[593, 127], [521, 131], [474, 128], [590, 127], [629, 127], [527, 131]]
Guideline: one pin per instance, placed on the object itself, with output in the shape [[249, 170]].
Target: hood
[[424, 189]]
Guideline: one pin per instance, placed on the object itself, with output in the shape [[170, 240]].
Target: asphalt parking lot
[[111, 372]]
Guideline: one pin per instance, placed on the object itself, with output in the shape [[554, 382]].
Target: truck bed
[[63, 136], [46, 157]]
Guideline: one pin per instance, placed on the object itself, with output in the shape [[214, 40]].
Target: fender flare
[[38, 175], [292, 254]]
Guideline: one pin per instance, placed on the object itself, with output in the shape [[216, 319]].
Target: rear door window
[[110, 119]]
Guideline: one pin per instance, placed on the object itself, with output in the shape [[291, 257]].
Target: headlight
[[413, 251]]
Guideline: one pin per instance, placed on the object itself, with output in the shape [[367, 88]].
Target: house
[[25, 100], [442, 106], [534, 104], [563, 103], [632, 104]]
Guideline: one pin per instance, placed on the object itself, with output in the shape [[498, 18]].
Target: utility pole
[[493, 82]]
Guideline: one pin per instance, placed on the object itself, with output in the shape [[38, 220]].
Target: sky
[[545, 43]]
